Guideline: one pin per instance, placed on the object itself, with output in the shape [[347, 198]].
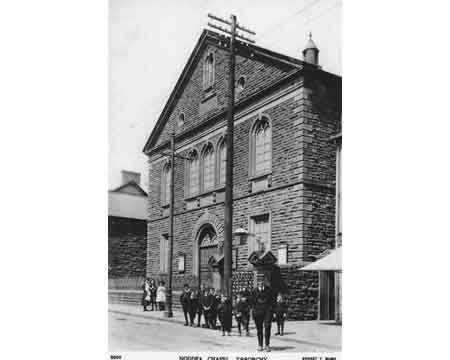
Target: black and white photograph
[[174, 187], [224, 201]]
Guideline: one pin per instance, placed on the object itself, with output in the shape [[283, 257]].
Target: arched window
[[222, 161], [193, 174], [208, 71], [208, 168], [180, 122], [241, 83], [261, 152], [165, 184]]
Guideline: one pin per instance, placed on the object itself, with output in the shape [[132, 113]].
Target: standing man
[[262, 298], [185, 300]]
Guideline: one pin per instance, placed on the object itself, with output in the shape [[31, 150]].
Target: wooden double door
[[210, 276]]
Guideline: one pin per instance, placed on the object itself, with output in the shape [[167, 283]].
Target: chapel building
[[287, 111]]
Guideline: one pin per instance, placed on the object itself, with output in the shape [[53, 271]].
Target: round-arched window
[[241, 83], [181, 120]]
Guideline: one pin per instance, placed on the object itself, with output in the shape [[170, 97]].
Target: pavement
[[131, 329]]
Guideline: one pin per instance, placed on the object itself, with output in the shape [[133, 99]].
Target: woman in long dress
[[146, 294], [161, 295], [153, 289]]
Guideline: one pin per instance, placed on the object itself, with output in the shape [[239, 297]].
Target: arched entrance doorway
[[209, 252]]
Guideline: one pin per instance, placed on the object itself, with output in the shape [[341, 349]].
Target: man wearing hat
[[262, 302]]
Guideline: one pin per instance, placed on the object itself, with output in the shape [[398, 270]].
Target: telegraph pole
[[171, 155], [228, 243], [169, 312]]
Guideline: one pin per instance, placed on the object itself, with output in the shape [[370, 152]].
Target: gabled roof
[[210, 37], [132, 184]]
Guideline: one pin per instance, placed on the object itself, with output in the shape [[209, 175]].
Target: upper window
[[222, 161], [165, 184], [261, 147], [208, 168], [208, 71], [193, 174], [259, 233]]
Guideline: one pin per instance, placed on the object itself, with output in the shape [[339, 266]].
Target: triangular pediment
[[190, 97], [131, 188]]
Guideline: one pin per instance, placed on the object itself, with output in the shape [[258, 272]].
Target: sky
[[150, 42]]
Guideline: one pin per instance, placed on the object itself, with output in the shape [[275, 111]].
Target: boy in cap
[[225, 311]]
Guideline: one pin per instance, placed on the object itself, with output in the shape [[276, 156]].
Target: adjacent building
[[284, 202], [127, 233]]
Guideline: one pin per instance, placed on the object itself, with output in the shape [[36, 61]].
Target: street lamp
[[172, 156], [242, 234]]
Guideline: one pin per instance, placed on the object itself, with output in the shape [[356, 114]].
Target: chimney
[[128, 176], [311, 52]]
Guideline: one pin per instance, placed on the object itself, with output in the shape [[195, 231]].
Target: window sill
[[259, 176], [260, 182], [209, 93], [204, 193]]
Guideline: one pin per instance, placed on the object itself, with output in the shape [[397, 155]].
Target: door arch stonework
[[206, 220]]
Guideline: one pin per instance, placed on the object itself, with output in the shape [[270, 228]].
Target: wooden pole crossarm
[[229, 33], [219, 19], [219, 28], [244, 38], [240, 27]]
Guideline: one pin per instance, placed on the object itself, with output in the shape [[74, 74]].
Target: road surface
[[132, 333]]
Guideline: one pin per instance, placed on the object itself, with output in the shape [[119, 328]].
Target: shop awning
[[330, 262]]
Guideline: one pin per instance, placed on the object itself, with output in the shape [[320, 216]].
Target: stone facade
[[298, 194]]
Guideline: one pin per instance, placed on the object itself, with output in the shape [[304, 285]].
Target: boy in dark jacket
[[185, 300], [201, 300], [217, 299], [280, 314], [242, 313], [208, 308], [193, 307], [225, 311]]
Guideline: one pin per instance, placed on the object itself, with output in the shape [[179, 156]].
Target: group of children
[[154, 296], [212, 305]]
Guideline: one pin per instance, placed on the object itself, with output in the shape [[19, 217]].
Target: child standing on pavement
[[153, 294], [217, 297], [185, 300], [225, 311], [161, 295], [242, 314], [146, 294], [280, 314], [193, 307]]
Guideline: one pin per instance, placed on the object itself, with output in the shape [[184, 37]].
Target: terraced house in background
[[287, 113]]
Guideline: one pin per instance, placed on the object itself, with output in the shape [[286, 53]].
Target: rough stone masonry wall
[[321, 119], [127, 244], [303, 293]]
